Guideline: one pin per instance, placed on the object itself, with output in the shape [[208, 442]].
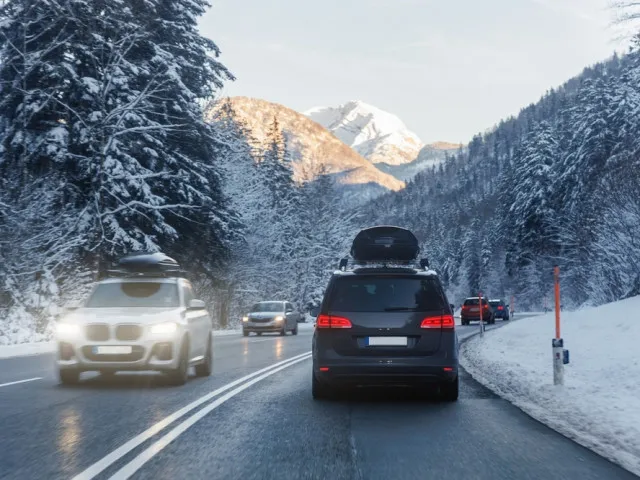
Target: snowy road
[[269, 429]]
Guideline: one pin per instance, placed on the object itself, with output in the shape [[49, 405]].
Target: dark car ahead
[[500, 309], [382, 325], [470, 311], [278, 317]]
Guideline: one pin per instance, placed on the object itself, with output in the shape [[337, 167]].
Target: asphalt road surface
[[254, 418]]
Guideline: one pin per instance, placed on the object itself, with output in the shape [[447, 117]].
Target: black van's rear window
[[387, 294]]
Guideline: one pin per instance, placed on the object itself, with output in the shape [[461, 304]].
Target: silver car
[[136, 324], [271, 317]]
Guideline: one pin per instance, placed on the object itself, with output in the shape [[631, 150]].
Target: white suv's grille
[[128, 333], [97, 332]]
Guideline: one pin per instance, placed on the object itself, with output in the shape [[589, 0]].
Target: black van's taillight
[[439, 321], [331, 321]]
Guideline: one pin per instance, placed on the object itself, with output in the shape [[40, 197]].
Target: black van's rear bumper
[[386, 371]]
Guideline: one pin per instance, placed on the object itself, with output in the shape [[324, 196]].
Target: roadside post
[[481, 313], [511, 306], [557, 343]]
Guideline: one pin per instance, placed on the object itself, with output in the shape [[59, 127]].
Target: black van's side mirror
[[314, 312]]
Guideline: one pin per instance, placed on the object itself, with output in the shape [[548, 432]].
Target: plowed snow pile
[[599, 404]]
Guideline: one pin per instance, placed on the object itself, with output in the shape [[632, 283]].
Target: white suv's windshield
[[138, 294]]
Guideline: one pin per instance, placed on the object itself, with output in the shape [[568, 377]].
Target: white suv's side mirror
[[196, 305]]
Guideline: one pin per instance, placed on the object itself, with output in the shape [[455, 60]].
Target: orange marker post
[[481, 313], [557, 344]]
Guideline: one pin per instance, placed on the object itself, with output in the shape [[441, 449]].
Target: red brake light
[[500, 307], [330, 321], [440, 321], [486, 306]]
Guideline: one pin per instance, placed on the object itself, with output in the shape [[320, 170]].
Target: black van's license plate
[[386, 341]]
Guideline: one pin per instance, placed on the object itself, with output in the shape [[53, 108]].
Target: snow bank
[[599, 405], [26, 349]]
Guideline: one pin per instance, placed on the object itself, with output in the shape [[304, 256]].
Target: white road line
[[121, 451], [20, 381], [134, 465]]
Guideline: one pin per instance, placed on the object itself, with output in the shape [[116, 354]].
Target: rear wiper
[[398, 309]]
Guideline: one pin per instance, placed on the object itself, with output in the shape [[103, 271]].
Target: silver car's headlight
[[168, 328], [245, 319], [67, 330], [279, 318]]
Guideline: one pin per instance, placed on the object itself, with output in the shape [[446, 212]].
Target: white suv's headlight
[[168, 328], [279, 318], [67, 329]]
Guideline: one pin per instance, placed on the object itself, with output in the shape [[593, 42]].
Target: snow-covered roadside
[[599, 405], [26, 349]]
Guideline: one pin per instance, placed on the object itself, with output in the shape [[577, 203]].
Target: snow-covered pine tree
[[186, 64], [325, 229], [38, 219], [532, 208], [93, 107]]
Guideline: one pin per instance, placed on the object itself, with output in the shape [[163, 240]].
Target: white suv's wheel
[[204, 369], [68, 376], [180, 375]]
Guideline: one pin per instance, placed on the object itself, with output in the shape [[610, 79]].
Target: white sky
[[448, 68]]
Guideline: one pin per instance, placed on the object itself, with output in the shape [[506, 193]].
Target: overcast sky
[[447, 68]]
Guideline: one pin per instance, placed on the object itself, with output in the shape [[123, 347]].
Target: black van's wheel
[[319, 390], [450, 390]]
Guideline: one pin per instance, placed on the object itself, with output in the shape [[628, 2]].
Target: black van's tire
[[319, 390], [449, 391]]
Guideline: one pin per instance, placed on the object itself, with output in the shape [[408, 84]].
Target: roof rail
[[423, 264]]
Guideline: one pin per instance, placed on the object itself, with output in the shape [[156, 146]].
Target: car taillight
[[440, 321], [331, 321], [486, 306], [500, 307]]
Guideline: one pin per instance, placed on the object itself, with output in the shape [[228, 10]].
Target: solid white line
[[121, 451], [134, 465], [20, 381]]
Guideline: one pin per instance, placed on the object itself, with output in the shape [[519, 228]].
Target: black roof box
[[385, 244], [145, 264]]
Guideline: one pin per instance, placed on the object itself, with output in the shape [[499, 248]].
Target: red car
[[471, 311]]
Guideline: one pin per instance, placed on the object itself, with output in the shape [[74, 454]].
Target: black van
[[386, 321]]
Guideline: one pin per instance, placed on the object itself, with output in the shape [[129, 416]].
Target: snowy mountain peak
[[379, 136]]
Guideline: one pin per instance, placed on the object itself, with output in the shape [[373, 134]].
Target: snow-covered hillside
[[599, 405], [379, 136], [313, 148]]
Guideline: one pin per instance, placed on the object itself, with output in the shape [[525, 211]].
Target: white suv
[[144, 322]]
